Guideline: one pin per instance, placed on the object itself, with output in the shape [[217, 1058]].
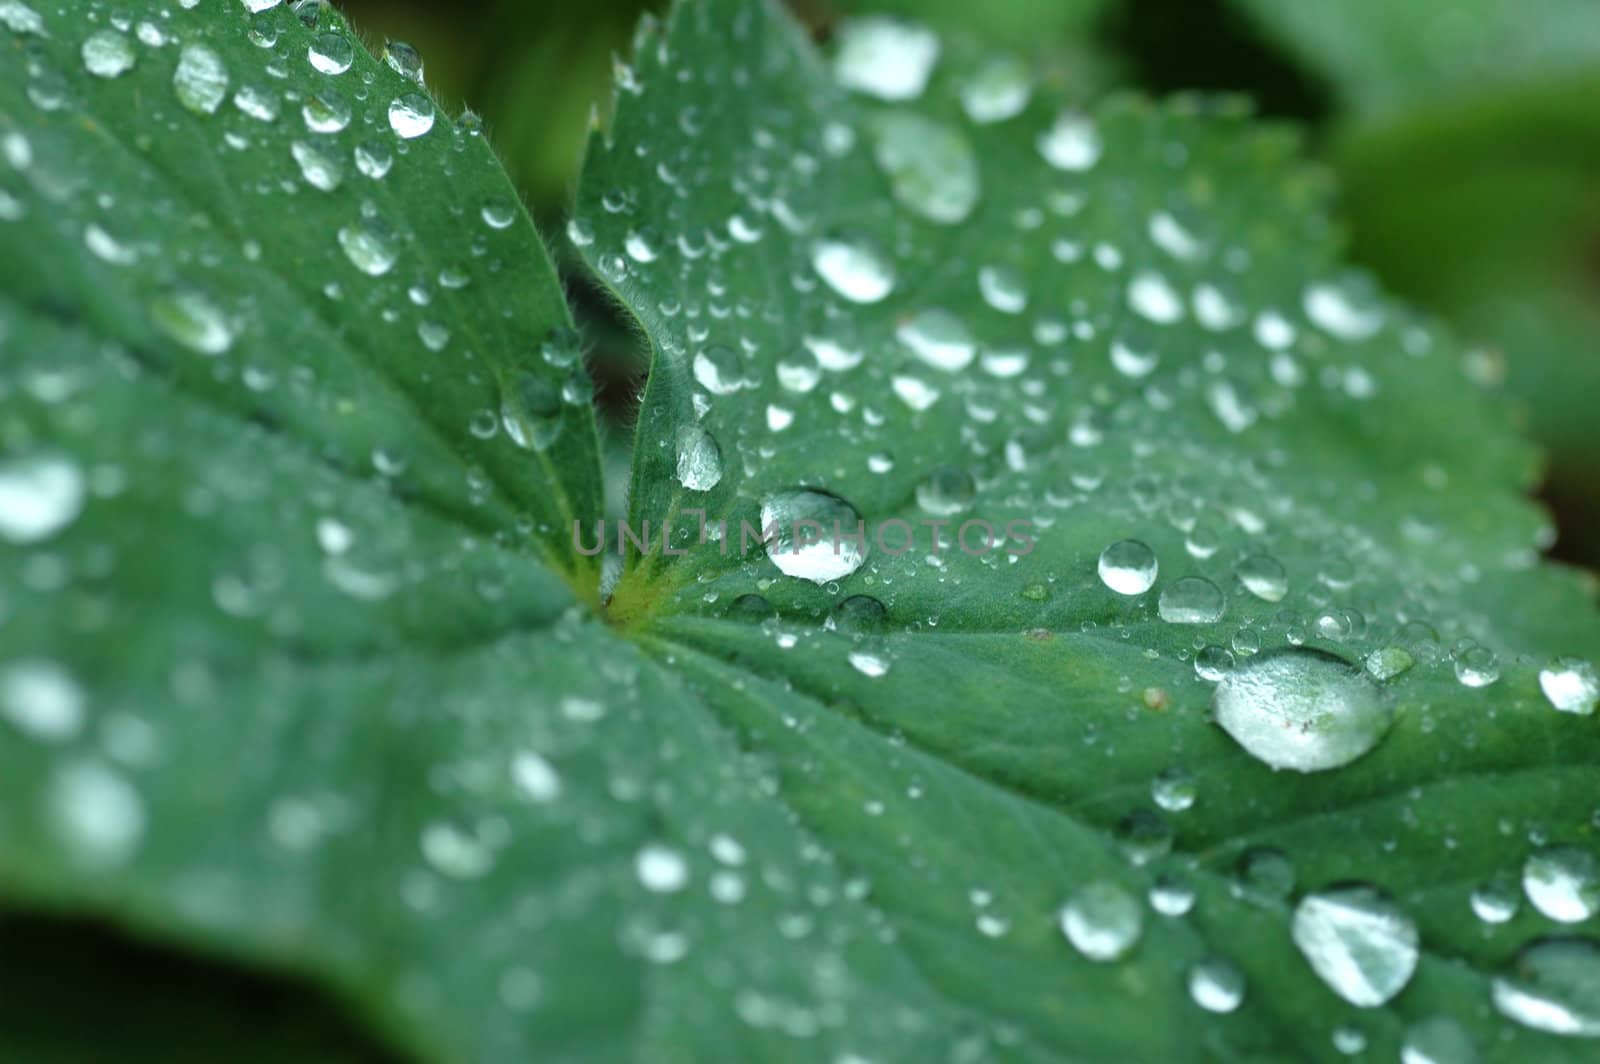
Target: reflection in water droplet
[[1128, 567], [1358, 941], [1301, 709], [854, 267], [812, 534], [1102, 921], [889, 58], [1553, 985]]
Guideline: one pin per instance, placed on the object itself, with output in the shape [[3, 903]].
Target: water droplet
[[939, 338], [374, 159], [854, 267], [1475, 665], [1072, 143], [201, 80], [885, 57], [699, 459], [530, 412], [321, 170], [1170, 896], [98, 815], [1301, 709], [369, 246], [455, 851], [1348, 309], [1003, 288], [1216, 984], [331, 53], [1563, 882], [643, 245], [931, 166], [325, 111], [1153, 298], [1143, 836], [1386, 663], [40, 495], [1191, 600], [1358, 941], [1128, 567], [1571, 685], [998, 90], [1438, 1040], [21, 19], [411, 115], [1264, 577], [1553, 985], [535, 777], [1213, 663], [1174, 790], [948, 490], [720, 371], [41, 699], [1349, 1039], [814, 533], [404, 60], [108, 54], [1102, 921], [661, 869], [1496, 900], [190, 318], [498, 214], [869, 663]]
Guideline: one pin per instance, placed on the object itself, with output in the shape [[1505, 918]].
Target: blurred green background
[[1466, 135]]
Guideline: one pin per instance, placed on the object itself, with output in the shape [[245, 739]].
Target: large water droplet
[[40, 495], [331, 53], [1553, 985], [1571, 685], [1358, 941], [940, 338], [699, 459], [885, 57], [1102, 921], [404, 60], [931, 167], [108, 54], [1191, 600], [1301, 709], [854, 267], [1563, 882], [813, 534], [411, 115], [1128, 567], [201, 80]]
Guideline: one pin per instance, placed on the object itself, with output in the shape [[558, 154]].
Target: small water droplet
[[1191, 600], [999, 89], [699, 459], [189, 317], [1072, 143], [369, 246], [1264, 577], [41, 494], [41, 698], [1438, 1040], [1563, 883], [889, 58], [661, 869], [939, 338], [931, 166], [321, 170], [331, 53], [947, 491], [1216, 984]]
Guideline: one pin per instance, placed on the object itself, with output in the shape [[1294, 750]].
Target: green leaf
[[301, 670], [1125, 324]]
